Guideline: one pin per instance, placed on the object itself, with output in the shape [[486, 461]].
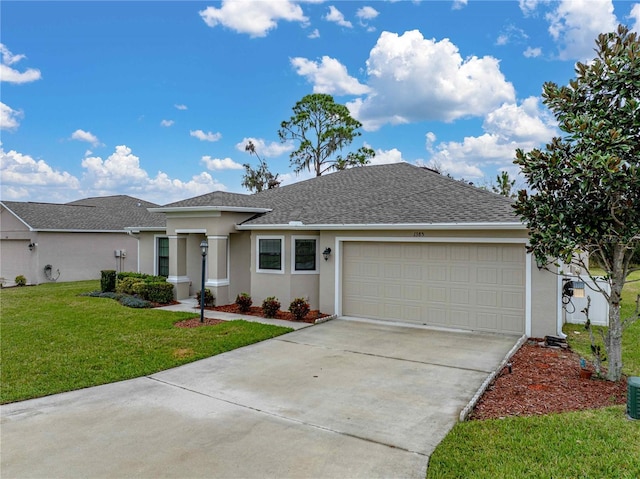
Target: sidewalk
[[191, 305]]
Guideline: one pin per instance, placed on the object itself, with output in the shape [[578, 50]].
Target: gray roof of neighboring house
[[106, 213], [397, 193]]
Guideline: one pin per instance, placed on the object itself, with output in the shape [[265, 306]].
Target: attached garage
[[471, 286]]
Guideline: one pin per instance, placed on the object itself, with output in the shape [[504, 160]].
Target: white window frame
[[293, 254], [282, 258]]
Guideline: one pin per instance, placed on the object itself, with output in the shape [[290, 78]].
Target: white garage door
[[467, 286]]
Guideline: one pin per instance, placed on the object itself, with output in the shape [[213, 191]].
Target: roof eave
[[507, 226], [17, 216], [141, 229]]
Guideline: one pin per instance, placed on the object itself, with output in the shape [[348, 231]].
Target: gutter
[[298, 225]]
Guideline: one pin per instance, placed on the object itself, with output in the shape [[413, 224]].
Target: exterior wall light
[[32, 246], [326, 253]]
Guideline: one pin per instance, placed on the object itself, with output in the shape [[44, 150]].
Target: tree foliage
[[504, 185], [322, 129], [586, 184], [260, 178]]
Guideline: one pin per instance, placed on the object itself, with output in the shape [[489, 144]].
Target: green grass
[[53, 340], [587, 444], [579, 338], [596, 443]]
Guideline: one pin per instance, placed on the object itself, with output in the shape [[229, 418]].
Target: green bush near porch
[[54, 340]]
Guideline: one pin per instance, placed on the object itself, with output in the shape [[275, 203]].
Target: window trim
[[270, 237], [293, 254]]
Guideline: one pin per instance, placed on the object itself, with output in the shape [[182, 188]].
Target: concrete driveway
[[341, 399]]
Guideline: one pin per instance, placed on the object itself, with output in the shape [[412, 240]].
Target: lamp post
[[204, 245]]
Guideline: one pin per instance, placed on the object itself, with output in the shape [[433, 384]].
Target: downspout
[[130, 233], [559, 315]]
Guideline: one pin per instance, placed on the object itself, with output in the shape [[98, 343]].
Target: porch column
[[178, 266], [217, 271]]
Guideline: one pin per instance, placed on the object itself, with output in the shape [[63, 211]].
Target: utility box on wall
[[575, 291]]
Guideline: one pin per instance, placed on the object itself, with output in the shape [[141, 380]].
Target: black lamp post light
[[204, 246]]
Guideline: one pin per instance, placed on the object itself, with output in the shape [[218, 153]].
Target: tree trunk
[[613, 338]]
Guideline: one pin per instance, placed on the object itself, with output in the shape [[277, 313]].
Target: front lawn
[[54, 340], [593, 443]]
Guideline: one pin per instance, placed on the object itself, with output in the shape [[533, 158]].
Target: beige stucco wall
[[286, 286], [545, 296], [239, 265], [78, 256]]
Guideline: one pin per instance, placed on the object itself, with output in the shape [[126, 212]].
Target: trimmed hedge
[[108, 280]]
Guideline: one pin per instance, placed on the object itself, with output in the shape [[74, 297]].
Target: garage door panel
[[465, 286]]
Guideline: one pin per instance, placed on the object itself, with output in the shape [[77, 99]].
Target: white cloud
[[528, 7], [511, 34], [8, 74], [532, 52], [24, 178], [367, 13], [510, 126], [385, 157], [264, 149], [290, 178], [220, 164], [87, 136], [252, 17], [634, 15], [314, 34], [181, 107], [328, 76], [459, 4], [121, 173], [336, 16], [167, 123], [575, 25], [414, 79], [202, 136], [9, 118]]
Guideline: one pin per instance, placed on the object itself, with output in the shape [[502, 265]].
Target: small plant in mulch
[[270, 307], [21, 280], [244, 302], [299, 307], [209, 298]]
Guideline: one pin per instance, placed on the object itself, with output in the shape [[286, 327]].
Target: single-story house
[[394, 242], [71, 241]]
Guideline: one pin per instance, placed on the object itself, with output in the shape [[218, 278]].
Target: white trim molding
[[282, 257], [293, 254], [392, 226], [178, 279]]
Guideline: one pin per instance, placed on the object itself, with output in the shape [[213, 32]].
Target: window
[[270, 254], [305, 254], [163, 257]]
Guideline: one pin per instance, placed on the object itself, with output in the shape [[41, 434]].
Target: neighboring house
[[400, 243], [72, 241]]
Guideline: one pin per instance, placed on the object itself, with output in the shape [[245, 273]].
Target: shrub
[[133, 302], [244, 302], [299, 307], [158, 292], [101, 294], [209, 298], [21, 280], [127, 285], [270, 307], [108, 280], [131, 274]]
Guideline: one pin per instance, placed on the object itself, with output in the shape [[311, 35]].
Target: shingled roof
[[106, 213], [393, 194]]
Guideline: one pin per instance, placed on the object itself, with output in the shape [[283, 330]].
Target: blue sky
[[157, 99]]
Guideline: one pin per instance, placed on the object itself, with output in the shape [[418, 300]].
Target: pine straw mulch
[[545, 380]]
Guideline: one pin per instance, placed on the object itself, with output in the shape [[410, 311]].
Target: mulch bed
[[545, 380], [257, 311], [311, 318]]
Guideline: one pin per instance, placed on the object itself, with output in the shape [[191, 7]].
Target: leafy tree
[[260, 178], [322, 128], [586, 185], [504, 186]]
